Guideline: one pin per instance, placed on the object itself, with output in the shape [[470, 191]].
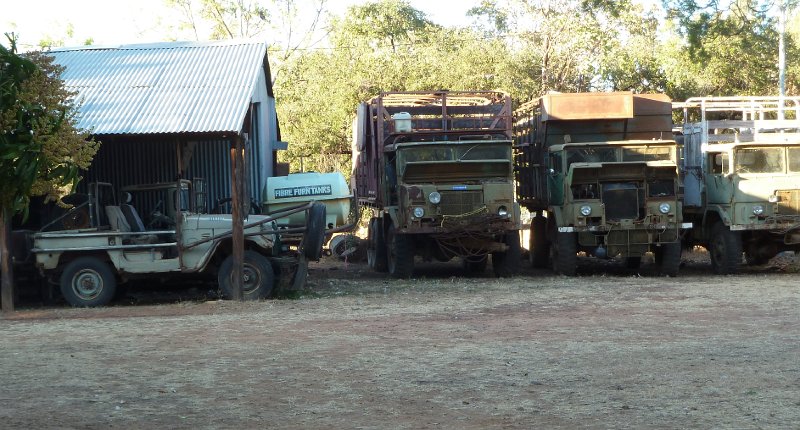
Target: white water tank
[[296, 188]]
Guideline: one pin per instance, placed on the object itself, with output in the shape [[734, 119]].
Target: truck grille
[[460, 202], [621, 201], [789, 202]]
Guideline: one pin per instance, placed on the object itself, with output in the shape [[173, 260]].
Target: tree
[[734, 43], [41, 148]]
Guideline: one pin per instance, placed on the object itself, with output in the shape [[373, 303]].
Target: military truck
[[598, 173], [105, 242], [435, 171], [742, 177]]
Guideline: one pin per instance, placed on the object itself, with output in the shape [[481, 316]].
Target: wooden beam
[[7, 280], [237, 182]]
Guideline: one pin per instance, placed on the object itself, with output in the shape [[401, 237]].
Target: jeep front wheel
[[258, 278], [88, 282]]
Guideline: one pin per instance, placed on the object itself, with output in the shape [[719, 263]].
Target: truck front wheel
[[376, 246], [668, 258], [400, 253], [539, 246], [565, 253], [88, 282], [258, 278], [506, 263], [726, 249]]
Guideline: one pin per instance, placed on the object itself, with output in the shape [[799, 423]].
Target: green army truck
[[598, 173], [742, 177], [435, 171]]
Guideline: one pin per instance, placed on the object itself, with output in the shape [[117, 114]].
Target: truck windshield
[[618, 154], [759, 160], [794, 159], [455, 152]]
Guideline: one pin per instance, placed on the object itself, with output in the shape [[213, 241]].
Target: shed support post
[[7, 277], [237, 188]]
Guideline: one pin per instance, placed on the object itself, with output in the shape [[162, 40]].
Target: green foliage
[[41, 150]]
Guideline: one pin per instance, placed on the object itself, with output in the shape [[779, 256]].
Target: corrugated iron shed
[[181, 87]]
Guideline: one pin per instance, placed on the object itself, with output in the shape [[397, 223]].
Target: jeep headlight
[[758, 209], [586, 210], [664, 208], [435, 197], [419, 212], [502, 211]]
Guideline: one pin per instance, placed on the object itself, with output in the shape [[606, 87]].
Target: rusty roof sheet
[[177, 87]]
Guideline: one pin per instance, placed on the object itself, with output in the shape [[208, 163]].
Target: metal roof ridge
[[162, 45]]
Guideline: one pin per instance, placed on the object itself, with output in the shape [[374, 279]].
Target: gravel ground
[[613, 349]]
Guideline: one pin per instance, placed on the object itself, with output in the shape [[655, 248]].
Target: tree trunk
[[7, 286]]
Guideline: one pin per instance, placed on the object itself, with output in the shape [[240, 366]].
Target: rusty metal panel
[[576, 106]]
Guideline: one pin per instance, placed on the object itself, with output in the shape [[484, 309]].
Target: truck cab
[[742, 170]]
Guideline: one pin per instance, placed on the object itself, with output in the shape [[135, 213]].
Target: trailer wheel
[[258, 279], [726, 249], [565, 253], [668, 258], [400, 254], [507, 263], [314, 236], [475, 265], [88, 282], [539, 246], [376, 246]]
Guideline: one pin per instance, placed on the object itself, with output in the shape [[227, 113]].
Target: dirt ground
[[608, 349]]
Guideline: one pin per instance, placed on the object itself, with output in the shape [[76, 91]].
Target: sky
[[115, 22]]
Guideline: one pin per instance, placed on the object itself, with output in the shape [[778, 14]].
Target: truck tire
[[88, 282], [475, 265], [400, 254], [539, 246], [376, 246], [668, 258], [725, 249], [565, 253], [258, 278], [507, 263], [314, 236], [633, 263]]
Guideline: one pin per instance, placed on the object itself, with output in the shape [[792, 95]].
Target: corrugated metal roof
[[181, 87]]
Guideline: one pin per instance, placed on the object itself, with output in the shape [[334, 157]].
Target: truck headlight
[[419, 212], [435, 197], [758, 209], [774, 198], [664, 208], [502, 211], [586, 210]]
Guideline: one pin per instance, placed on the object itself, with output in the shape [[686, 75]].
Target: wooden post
[[7, 281], [237, 180], [177, 203]]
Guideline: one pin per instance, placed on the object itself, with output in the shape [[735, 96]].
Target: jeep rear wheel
[[400, 254], [88, 282], [258, 278], [726, 249]]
